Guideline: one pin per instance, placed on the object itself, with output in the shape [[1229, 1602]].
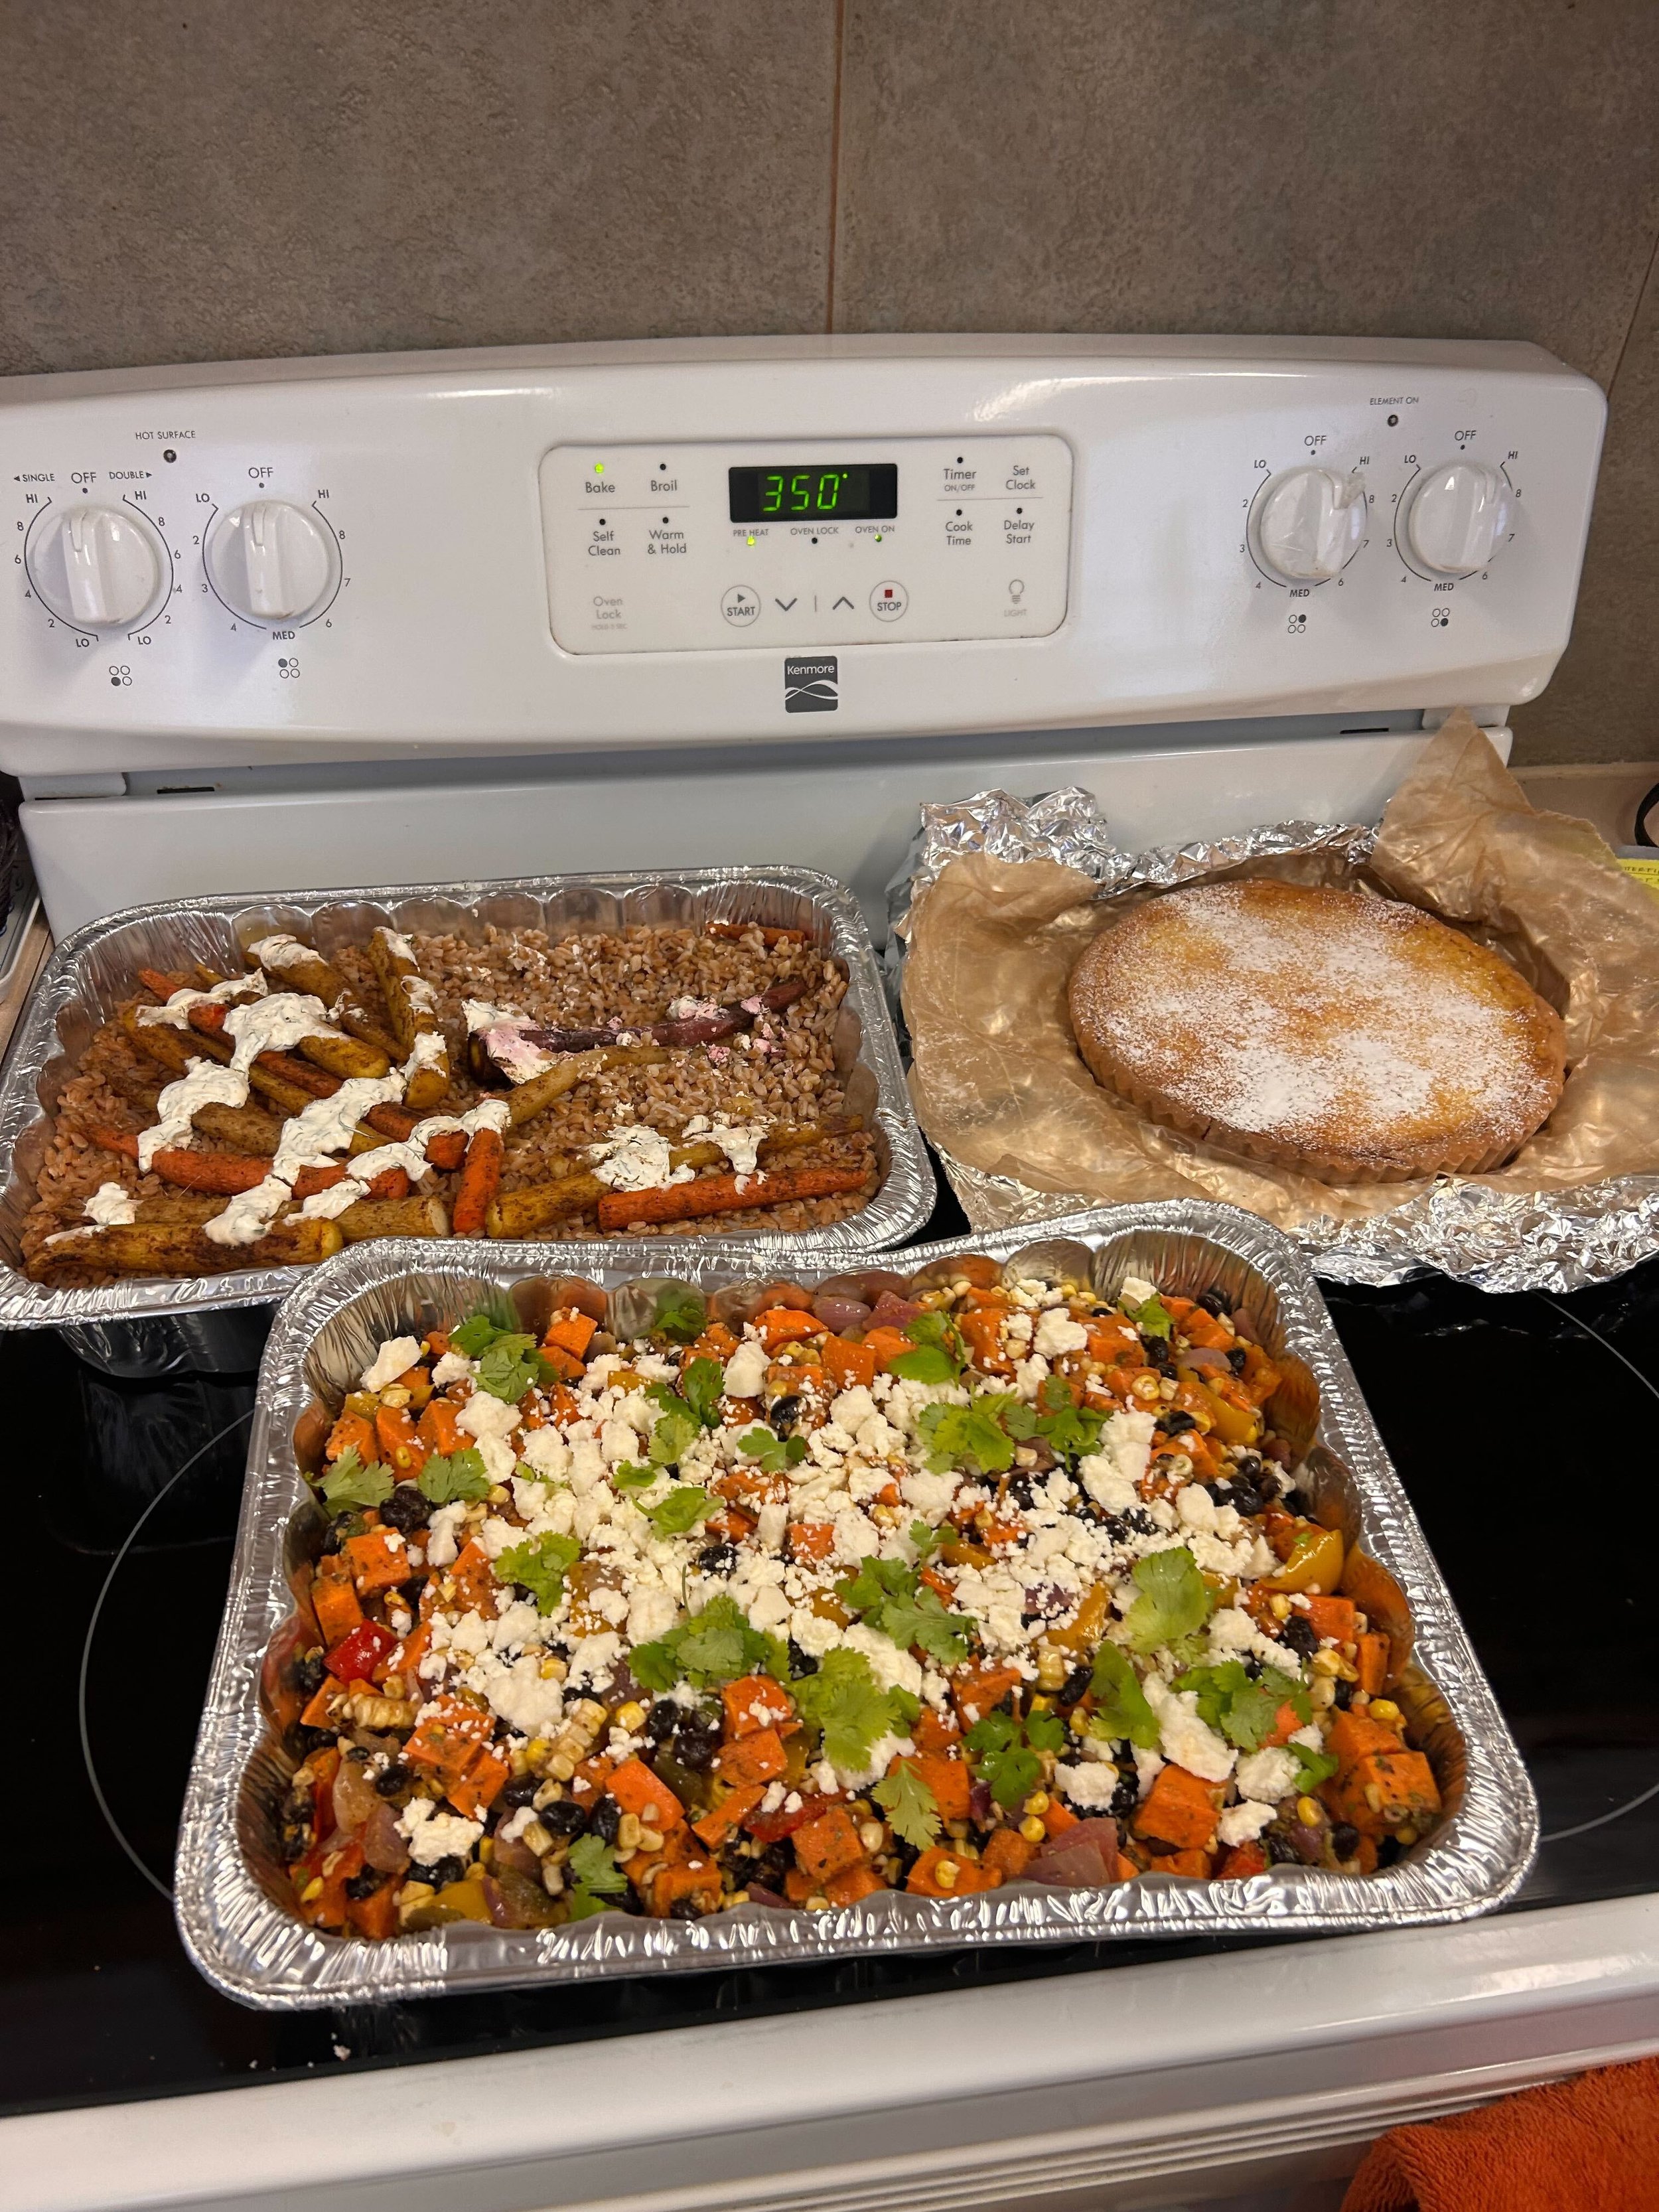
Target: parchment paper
[[1000, 1087]]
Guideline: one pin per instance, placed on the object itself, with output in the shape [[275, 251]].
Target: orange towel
[[1590, 2145]]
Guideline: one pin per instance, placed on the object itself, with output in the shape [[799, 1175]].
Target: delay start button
[[889, 601], [740, 605]]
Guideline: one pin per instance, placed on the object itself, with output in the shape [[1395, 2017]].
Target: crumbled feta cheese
[[432, 1835], [1093, 1786], [449, 1368], [1057, 1332], [1135, 1290], [395, 1357], [746, 1370], [442, 1532], [1268, 1775], [1195, 1508], [1242, 1824], [1184, 1737]]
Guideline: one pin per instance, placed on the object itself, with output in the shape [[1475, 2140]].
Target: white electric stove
[[491, 614]]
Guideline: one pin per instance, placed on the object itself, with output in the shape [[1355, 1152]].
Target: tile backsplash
[[210, 181]]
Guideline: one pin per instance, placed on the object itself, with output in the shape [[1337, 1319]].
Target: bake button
[[740, 606], [889, 601]]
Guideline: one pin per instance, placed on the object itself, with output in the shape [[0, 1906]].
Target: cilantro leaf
[[628, 1475], [1003, 1761], [899, 1605], [460, 1474], [1153, 1318], [348, 1482], [955, 1433], [681, 1312], [846, 1703], [509, 1365], [715, 1646], [1175, 1598], [598, 1877], [1312, 1767], [927, 1540], [701, 1384], [911, 1808], [540, 1567], [475, 1335], [1122, 1712], [1244, 1711], [938, 1357], [677, 1430], [681, 1510], [774, 1453], [1069, 1429], [1045, 1731]]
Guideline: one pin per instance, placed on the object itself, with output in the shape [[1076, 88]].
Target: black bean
[[1114, 1523], [606, 1818], [696, 1749], [1175, 1423], [717, 1558], [1076, 1684], [1139, 1521], [294, 1840], [1237, 1358], [1127, 1795], [1246, 1500], [1156, 1352], [1344, 1840], [391, 1779], [686, 1908], [333, 1541], [406, 1509], [1247, 1467], [1344, 1697], [1280, 1850], [1019, 1489], [800, 1662], [520, 1791], [311, 1739], [1253, 1668], [1387, 1851], [783, 1412], [662, 1720], [563, 1817], [309, 1674], [771, 1869], [364, 1883], [446, 1871], [1298, 1633], [1214, 1302]]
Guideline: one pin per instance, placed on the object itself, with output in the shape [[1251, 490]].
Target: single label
[[811, 684], [1644, 866]]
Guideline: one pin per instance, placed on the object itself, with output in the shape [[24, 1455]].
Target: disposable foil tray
[[92, 972], [231, 1887]]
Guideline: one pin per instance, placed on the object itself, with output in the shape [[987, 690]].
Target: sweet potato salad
[[796, 1595]]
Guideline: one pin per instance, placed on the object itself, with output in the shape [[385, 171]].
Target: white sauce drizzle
[[176, 1011]]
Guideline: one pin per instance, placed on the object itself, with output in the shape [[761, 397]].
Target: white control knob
[[97, 568], [1458, 517], [270, 561], [1309, 523]]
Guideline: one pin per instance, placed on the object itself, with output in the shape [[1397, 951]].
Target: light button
[[740, 606], [889, 601]]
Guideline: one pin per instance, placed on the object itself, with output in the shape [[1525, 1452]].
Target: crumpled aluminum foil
[[1558, 1240], [232, 1895]]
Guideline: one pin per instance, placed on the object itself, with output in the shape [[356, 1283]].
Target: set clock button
[[889, 600], [270, 562], [1458, 518], [740, 606], [98, 567], [1309, 525]]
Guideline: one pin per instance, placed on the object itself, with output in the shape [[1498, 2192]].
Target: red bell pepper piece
[[773, 1827], [354, 1658]]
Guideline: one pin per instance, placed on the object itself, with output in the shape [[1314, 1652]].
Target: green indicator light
[[598, 468], [879, 536], [751, 537]]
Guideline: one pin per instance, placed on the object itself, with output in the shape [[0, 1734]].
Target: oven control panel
[[697, 549]]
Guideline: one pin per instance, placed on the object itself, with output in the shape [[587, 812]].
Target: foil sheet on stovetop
[[229, 1884], [91, 973]]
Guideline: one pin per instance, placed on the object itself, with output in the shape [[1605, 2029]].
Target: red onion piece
[[384, 1847], [845, 1286], [1206, 1360], [893, 1313], [840, 1313], [784, 1294], [759, 1894], [979, 1804], [877, 1283], [1066, 1865]]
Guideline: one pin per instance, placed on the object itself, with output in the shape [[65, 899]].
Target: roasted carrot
[[223, 1172], [481, 1178], [693, 1201], [390, 1183]]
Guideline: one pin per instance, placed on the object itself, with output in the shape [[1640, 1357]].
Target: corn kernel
[[1038, 1801], [1324, 1663], [650, 1838], [499, 1494], [1323, 1693], [1279, 1608], [1032, 1829], [552, 1878], [1307, 1811], [562, 1766], [394, 1395], [1078, 1724], [1405, 1837], [535, 1838], [486, 1848], [1374, 1796], [628, 1833], [947, 1873], [1052, 1668], [631, 1716], [1385, 1710], [871, 1836]]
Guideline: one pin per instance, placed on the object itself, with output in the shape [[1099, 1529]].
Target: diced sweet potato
[[979, 1691], [1180, 1809], [399, 1447], [1370, 1660], [380, 1560], [351, 1432], [672, 1882], [858, 1881], [646, 1795], [1333, 1617], [477, 1589], [1242, 1861], [755, 1702], [758, 1758], [942, 1872], [950, 1782], [1352, 1735], [846, 1365], [438, 1428], [476, 1789], [828, 1845], [722, 1820], [334, 1600], [1384, 1790], [1194, 1862], [1007, 1853]]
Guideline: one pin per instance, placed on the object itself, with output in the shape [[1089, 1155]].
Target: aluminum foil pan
[[1499, 1240], [229, 1886], [92, 972]]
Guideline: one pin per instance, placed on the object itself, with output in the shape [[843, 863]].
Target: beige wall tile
[[1395, 167], [1602, 703], [213, 179]]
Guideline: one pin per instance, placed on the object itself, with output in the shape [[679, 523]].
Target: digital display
[[798, 491]]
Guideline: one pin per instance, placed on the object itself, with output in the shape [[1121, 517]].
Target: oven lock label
[[810, 685]]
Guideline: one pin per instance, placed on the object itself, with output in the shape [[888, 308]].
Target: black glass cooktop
[[123, 1503]]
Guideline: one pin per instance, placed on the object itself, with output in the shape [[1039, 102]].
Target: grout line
[[835, 169], [1630, 327]]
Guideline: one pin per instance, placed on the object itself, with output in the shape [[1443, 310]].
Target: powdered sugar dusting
[[1341, 1024]]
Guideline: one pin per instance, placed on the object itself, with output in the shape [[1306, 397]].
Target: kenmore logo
[[809, 686]]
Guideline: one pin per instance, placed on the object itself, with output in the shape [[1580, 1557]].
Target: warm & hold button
[[740, 606], [889, 600]]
